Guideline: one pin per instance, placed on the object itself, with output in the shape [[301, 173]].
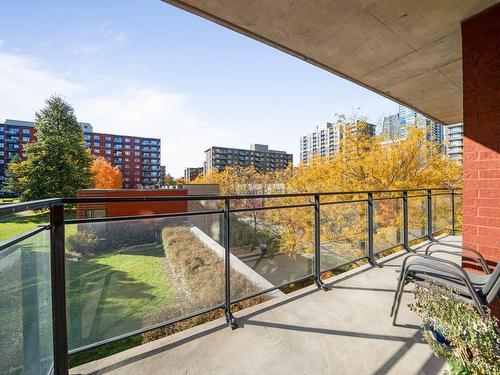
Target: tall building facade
[[258, 156], [326, 140], [191, 173], [391, 126], [137, 158], [455, 141], [395, 126]]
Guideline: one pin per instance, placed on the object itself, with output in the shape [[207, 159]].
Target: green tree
[[58, 164], [11, 184]]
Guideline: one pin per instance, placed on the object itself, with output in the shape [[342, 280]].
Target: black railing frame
[[57, 249], [317, 244]]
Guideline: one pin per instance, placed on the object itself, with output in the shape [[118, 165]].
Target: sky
[[146, 68]]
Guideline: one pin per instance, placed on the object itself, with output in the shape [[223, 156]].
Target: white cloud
[[133, 109], [26, 84], [102, 39]]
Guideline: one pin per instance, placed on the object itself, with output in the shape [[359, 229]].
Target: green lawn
[[13, 225], [116, 293]]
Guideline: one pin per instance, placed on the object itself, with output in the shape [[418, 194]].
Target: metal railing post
[[370, 229], [317, 244], [429, 215], [405, 222], [58, 290], [231, 321], [452, 213]]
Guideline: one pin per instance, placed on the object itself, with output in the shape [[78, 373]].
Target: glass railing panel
[[387, 224], [127, 275], [270, 247], [343, 233], [417, 217], [441, 212], [25, 306]]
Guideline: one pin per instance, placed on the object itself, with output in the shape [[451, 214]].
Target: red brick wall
[[481, 80]]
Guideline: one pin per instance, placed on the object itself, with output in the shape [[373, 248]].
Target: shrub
[[457, 332], [103, 237], [84, 242], [201, 275]]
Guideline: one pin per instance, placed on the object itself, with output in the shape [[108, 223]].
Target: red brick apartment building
[[138, 158]]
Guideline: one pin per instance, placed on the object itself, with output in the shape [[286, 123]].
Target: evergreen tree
[[58, 164], [11, 184]]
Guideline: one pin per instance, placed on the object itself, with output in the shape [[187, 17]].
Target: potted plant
[[457, 332]]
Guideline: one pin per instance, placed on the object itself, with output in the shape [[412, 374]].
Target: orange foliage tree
[[105, 175]]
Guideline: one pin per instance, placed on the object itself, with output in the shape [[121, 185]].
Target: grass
[[9, 200], [114, 293], [14, 225]]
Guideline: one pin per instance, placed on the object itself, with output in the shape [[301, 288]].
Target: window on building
[[96, 137], [96, 213], [26, 131], [26, 139]]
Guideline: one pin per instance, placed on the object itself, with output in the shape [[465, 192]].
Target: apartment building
[[137, 158], [455, 141], [258, 156], [326, 140], [191, 173], [395, 126]]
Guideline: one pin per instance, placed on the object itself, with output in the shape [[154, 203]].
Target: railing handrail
[[9, 209], [72, 200]]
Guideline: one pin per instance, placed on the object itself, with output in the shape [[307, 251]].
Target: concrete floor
[[346, 330]]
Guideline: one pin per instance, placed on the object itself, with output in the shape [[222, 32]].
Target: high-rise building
[[137, 158], [391, 126], [395, 126], [326, 140], [258, 156], [191, 173], [455, 141]]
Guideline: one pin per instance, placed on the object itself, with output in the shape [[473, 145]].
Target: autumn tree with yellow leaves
[[362, 163]]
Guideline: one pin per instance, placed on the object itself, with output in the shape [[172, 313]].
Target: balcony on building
[[65, 298]]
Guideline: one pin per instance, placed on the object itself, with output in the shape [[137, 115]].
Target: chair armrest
[[479, 261], [467, 248]]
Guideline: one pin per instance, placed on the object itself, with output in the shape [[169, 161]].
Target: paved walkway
[[346, 330]]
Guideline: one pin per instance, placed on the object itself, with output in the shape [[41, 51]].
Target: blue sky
[[146, 68]]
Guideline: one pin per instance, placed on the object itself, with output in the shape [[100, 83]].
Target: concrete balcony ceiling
[[407, 50]]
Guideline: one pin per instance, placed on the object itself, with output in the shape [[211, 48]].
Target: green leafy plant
[[457, 332]]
